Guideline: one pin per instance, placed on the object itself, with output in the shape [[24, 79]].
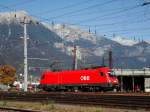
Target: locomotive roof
[[94, 67]]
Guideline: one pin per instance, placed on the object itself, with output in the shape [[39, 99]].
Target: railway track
[[8, 109], [132, 101]]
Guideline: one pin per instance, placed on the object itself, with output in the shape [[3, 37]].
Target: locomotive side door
[[60, 80]]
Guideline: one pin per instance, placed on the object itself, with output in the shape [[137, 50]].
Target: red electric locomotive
[[92, 79]]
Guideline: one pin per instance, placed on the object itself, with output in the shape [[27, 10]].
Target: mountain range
[[51, 46]]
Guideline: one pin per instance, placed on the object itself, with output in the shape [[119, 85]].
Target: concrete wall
[[147, 84]]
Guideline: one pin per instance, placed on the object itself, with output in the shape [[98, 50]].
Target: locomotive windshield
[[112, 74]]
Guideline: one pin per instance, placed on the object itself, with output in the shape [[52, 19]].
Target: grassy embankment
[[53, 107]]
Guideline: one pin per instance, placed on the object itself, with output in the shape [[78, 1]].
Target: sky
[[125, 18]]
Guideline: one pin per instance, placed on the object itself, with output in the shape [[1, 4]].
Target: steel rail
[[109, 100], [18, 110]]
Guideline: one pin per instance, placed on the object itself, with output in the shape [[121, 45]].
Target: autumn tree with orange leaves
[[7, 74]]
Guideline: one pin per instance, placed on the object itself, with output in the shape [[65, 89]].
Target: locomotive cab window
[[101, 74]]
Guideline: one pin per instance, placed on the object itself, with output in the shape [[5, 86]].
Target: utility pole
[[89, 30], [25, 55], [103, 61], [110, 59], [75, 58], [25, 58]]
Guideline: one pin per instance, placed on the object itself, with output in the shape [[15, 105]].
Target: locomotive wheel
[[76, 89]]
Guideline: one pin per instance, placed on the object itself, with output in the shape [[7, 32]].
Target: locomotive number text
[[85, 78]]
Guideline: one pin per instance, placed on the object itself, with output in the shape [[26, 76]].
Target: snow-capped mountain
[[18, 17], [124, 41], [148, 41], [126, 52], [56, 43], [85, 41], [72, 33]]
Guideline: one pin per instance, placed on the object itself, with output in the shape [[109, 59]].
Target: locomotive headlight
[[115, 80]]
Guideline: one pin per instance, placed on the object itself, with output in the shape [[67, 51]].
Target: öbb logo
[[85, 78]]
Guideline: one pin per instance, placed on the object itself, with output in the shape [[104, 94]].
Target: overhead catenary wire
[[137, 29], [113, 13], [94, 12], [112, 16], [123, 22], [115, 23], [65, 7], [75, 11]]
